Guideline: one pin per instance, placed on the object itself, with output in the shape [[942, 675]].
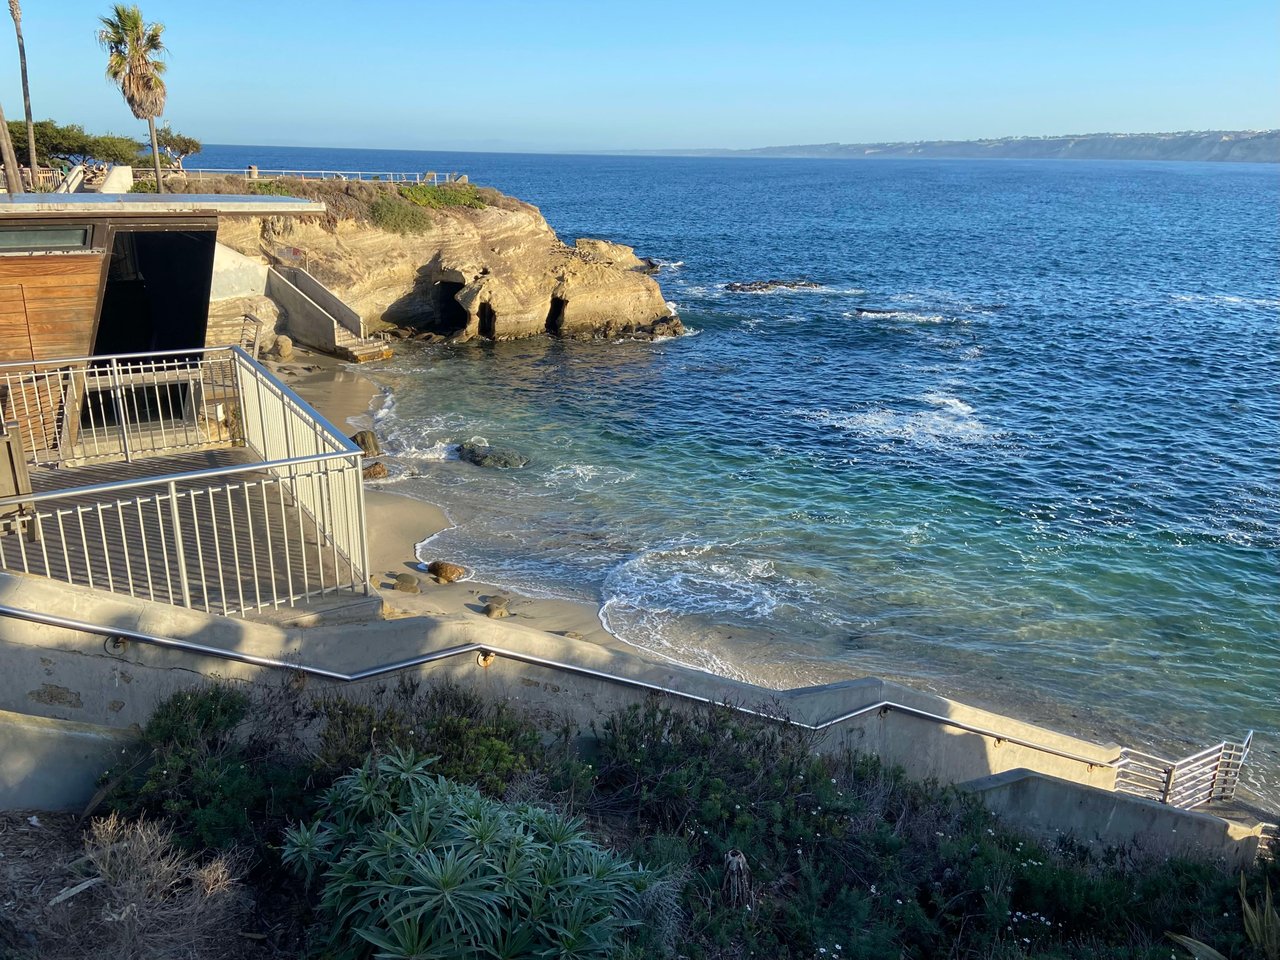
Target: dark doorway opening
[[488, 322], [157, 293], [555, 316], [450, 316]]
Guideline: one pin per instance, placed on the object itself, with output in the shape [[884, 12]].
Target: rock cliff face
[[498, 272]]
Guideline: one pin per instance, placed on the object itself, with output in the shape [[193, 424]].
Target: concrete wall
[[80, 678], [307, 322], [235, 275], [53, 764], [119, 179], [323, 297], [1050, 808], [67, 675]]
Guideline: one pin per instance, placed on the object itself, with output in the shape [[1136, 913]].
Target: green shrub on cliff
[[445, 195], [844, 855], [398, 216]]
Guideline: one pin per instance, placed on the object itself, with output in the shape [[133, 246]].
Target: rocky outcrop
[[764, 286], [498, 272], [483, 455]]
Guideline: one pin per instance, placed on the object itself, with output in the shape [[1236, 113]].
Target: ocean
[[1020, 445]]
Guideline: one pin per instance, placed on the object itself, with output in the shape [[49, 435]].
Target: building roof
[[111, 204]]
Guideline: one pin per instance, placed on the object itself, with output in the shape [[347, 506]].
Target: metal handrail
[[148, 355], [176, 356], [486, 648], [211, 472], [1208, 775], [287, 393], [300, 485]]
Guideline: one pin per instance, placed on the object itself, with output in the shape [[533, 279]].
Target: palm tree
[[15, 10], [133, 50], [12, 172]]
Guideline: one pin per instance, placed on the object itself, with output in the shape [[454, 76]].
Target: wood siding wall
[[48, 305]]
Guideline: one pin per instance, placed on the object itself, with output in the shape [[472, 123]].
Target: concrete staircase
[[358, 350]]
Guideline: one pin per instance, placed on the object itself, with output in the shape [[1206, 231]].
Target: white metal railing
[[92, 409], [1205, 777], [254, 174], [281, 524]]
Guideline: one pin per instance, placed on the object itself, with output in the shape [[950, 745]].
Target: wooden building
[[99, 274]]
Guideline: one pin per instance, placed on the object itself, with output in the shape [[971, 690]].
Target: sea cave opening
[[555, 316], [488, 322], [450, 314]]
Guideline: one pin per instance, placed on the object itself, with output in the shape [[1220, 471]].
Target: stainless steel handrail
[[486, 648], [166, 478]]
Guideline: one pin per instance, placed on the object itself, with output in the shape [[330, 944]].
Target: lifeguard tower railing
[[196, 479]]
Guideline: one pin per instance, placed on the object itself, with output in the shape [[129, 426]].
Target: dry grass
[[140, 898]]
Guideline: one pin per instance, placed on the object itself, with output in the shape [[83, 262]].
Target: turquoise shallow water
[[1042, 464]]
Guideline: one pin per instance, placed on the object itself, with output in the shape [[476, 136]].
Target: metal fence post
[[117, 392], [179, 553]]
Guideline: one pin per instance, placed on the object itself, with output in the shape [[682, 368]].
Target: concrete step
[[365, 352]]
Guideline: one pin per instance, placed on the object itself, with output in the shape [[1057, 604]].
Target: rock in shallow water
[[764, 286], [483, 455]]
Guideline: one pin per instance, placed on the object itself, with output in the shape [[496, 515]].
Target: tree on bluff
[[177, 146], [71, 144]]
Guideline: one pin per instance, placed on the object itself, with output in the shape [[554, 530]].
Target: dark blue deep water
[[1044, 471]]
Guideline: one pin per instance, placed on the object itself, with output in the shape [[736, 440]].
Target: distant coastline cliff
[[452, 261], [1237, 146]]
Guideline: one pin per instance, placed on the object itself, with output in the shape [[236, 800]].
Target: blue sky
[[566, 75]]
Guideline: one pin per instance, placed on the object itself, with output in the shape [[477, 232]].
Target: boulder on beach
[[483, 455], [446, 572], [375, 471], [496, 608], [282, 349], [407, 583]]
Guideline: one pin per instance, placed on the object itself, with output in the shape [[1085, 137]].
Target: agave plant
[[1261, 926], [412, 865]]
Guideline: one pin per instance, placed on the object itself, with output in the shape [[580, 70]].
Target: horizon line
[[641, 151]]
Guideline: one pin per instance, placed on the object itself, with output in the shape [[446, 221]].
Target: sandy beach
[[397, 524]]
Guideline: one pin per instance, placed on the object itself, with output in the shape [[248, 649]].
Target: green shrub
[[273, 188], [143, 186], [416, 866], [398, 216], [444, 195], [215, 785], [845, 851], [476, 740]]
